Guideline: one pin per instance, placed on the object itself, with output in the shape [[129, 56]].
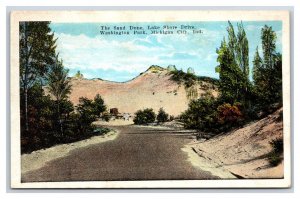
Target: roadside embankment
[[243, 152]]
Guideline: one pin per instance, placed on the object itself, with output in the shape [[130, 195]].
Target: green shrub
[[277, 145], [201, 113], [144, 116], [162, 116], [276, 155], [274, 159]]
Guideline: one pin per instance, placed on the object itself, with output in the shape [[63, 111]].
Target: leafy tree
[[268, 37], [201, 113], [99, 105], [267, 72], [230, 86], [37, 54], [234, 66], [144, 116], [59, 86], [86, 112], [162, 116]]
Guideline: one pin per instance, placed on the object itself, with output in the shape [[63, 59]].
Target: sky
[[120, 58]]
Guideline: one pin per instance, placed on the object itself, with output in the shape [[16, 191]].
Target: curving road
[[138, 153]]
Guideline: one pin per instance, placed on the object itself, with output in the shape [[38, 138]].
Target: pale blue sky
[[121, 58]]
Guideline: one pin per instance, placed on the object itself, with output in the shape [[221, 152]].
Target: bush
[[275, 157], [144, 116], [201, 114], [229, 114], [162, 116], [171, 117], [277, 145]]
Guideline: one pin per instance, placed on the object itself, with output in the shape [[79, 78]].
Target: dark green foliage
[[277, 145], [99, 105], [37, 53], [208, 114], [49, 120], [276, 155], [267, 72], [59, 86], [230, 84], [187, 79], [234, 67], [213, 81], [162, 116], [88, 111], [201, 113], [144, 116]]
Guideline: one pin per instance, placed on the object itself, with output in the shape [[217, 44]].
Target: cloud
[[82, 52], [179, 56]]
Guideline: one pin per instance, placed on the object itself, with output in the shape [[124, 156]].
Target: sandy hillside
[[151, 89], [243, 152]]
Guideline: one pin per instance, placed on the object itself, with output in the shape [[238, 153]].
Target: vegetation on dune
[[276, 155], [191, 81]]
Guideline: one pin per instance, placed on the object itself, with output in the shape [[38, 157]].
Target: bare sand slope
[[242, 152], [151, 89]]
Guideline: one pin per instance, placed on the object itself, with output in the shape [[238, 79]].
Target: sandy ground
[[40, 158], [242, 152], [117, 122]]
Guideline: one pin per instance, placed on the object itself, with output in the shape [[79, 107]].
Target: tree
[[86, 111], [267, 72], [59, 86], [144, 116], [234, 66], [229, 74], [162, 116], [268, 37], [201, 114], [37, 54], [98, 104]]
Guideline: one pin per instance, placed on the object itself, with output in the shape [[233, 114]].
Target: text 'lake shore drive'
[[164, 29]]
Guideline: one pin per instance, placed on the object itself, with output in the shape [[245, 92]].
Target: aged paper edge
[[143, 16]]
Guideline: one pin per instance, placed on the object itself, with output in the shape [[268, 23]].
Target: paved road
[[138, 153]]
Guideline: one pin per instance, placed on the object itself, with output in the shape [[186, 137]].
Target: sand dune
[[151, 89]]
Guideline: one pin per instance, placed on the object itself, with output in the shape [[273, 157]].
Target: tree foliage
[[144, 116], [162, 116], [267, 72], [51, 119], [37, 55], [233, 58]]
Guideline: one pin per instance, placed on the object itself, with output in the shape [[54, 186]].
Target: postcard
[[150, 99]]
